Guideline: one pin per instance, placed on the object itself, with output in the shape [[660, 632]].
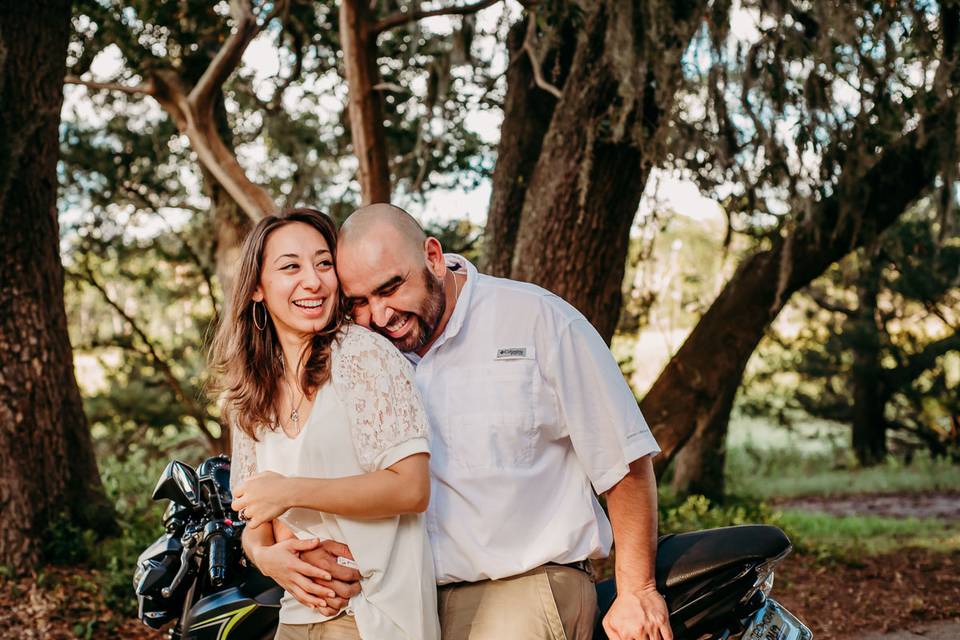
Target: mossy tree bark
[[527, 111], [582, 194], [47, 465]]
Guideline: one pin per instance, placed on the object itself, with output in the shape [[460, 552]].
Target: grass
[[768, 462], [849, 537], [785, 474]]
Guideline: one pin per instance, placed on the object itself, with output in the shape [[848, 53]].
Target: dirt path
[[872, 596], [939, 505], [947, 630]]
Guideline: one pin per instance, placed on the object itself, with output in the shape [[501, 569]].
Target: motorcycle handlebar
[[218, 560]]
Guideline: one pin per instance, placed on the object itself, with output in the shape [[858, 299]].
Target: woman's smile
[[310, 307]]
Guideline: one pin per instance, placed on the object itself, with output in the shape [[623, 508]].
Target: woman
[[332, 406]]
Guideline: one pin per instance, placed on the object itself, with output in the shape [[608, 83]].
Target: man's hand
[[344, 581], [638, 615], [281, 561], [261, 498]]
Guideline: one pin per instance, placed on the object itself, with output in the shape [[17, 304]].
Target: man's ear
[[434, 255]]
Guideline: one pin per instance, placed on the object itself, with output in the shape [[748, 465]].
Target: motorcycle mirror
[[178, 483]]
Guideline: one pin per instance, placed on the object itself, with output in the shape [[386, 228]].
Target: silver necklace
[[295, 410]]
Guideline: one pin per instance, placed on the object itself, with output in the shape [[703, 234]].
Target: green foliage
[[141, 311], [66, 543], [696, 512], [759, 477], [675, 268], [130, 483], [129, 472], [431, 82], [885, 320], [458, 236]]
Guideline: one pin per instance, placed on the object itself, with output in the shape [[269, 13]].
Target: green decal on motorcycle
[[227, 621]]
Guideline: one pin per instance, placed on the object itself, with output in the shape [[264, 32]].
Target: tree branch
[[919, 362], [401, 18], [820, 298], [529, 45], [230, 54], [146, 88], [193, 409]]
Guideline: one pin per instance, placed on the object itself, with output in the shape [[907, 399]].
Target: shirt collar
[[455, 322], [466, 295]]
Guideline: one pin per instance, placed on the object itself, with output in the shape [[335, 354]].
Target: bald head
[[383, 222], [393, 275]]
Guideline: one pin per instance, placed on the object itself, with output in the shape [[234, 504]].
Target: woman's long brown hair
[[248, 362]]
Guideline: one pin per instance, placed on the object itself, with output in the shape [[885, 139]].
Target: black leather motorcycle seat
[[688, 556]]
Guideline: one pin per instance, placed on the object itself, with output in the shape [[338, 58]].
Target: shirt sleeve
[[243, 457], [375, 383], [597, 409]]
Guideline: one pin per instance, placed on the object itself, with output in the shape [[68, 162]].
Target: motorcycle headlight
[[138, 574]]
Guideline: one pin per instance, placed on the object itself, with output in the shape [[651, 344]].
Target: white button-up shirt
[[530, 416]]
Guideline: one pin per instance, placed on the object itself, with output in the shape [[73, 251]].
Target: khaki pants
[[341, 628], [548, 603]]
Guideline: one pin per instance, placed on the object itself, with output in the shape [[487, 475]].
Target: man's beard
[[427, 316]]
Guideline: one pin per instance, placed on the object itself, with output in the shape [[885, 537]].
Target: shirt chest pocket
[[490, 420]]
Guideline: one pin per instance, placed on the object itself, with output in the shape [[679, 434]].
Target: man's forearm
[[632, 505]]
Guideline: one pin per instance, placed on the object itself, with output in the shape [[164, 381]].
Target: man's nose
[[381, 313]]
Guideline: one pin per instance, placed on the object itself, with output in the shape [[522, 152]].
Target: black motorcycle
[[716, 583], [195, 573]]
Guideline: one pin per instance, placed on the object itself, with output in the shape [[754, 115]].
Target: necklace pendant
[[295, 416]]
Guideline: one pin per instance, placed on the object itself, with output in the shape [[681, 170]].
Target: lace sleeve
[[243, 457], [375, 383]]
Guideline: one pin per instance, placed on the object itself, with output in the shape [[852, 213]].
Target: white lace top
[[367, 418]]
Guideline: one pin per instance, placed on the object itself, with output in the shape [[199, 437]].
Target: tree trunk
[[585, 189], [695, 390], [699, 467], [47, 464], [230, 224], [527, 112], [869, 437], [359, 44]]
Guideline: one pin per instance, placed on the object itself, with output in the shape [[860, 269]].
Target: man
[[529, 416]]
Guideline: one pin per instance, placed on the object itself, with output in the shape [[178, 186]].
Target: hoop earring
[[255, 323]]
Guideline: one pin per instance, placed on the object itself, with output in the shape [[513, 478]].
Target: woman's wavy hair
[[248, 362]]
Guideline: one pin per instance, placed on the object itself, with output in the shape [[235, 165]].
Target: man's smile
[[397, 324]]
